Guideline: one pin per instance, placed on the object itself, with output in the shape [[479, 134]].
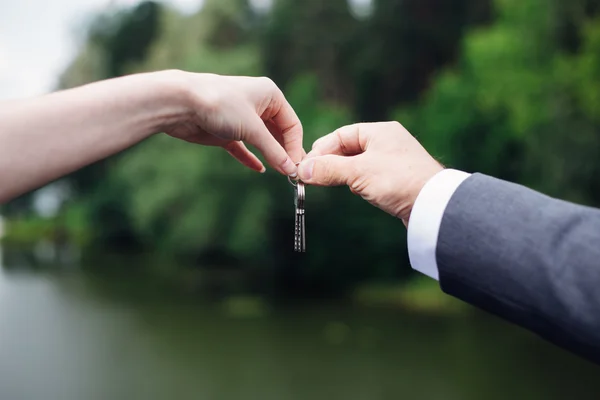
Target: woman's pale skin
[[47, 137]]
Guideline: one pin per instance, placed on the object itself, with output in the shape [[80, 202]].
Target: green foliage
[[520, 104], [71, 225], [187, 198], [125, 36], [507, 87], [421, 294], [369, 65]]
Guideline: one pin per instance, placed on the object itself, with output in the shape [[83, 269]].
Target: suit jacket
[[526, 257]]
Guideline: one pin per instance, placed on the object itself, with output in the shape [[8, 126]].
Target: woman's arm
[[44, 138]]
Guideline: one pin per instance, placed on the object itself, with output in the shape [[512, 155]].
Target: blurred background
[[167, 271]]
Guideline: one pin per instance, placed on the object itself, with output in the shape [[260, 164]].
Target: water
[[71, 336]]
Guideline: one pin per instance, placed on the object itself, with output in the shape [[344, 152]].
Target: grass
[[30, 230], [421, 294]]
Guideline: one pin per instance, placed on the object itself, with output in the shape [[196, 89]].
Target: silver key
[[299, 231]]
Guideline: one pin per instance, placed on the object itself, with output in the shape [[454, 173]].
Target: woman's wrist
[[167, 97]]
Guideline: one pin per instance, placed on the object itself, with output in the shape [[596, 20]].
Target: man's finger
[[259, 136], [328, 170], [348, 140], [245, 156]]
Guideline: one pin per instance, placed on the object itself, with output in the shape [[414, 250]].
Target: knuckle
[[322, 172], [341, 140], [231, 146], [318, 142], [347, 129], [174, 72], [394, 124], [282, 159], [359, 172], [358, 184], [293, 142], [292, 127], [355, 172], [267, 82], [394, 128]]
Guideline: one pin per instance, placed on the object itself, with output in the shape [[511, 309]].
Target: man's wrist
[[416, 190], [426, 219]]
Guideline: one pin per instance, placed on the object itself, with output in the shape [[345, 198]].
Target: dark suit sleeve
[[526, 257]]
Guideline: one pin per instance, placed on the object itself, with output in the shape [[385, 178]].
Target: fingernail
[[290, 168], [306, 169], [263, 170]]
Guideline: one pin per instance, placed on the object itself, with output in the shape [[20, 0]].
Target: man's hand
[[381, 162], [228, 110]]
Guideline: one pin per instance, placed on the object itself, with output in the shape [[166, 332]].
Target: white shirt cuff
[[426, 218]]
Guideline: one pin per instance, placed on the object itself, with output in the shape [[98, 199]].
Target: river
[[66, 335]]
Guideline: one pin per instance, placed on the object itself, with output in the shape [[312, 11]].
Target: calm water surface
[[69, 336]]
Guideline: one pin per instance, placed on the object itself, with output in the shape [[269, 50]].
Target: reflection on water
[[77, 337]]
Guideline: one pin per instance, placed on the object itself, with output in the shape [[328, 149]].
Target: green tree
[[519, 105], [369, 65], [505, 87]]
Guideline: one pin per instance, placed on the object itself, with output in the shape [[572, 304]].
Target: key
[[299, 230], [300, 240]]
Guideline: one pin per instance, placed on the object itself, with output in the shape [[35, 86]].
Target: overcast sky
[[38, 38]]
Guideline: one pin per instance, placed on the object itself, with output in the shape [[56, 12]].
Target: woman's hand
[[47, 137], [226, 111]]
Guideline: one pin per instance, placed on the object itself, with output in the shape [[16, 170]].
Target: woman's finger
[[258, 135], [240, 152]]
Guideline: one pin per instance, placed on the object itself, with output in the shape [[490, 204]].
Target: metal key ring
[[294, 183]]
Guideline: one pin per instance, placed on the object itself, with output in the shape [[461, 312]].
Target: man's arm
[[44, 138], [524, 256]]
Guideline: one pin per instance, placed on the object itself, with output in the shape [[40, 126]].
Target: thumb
[[329, 170]]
